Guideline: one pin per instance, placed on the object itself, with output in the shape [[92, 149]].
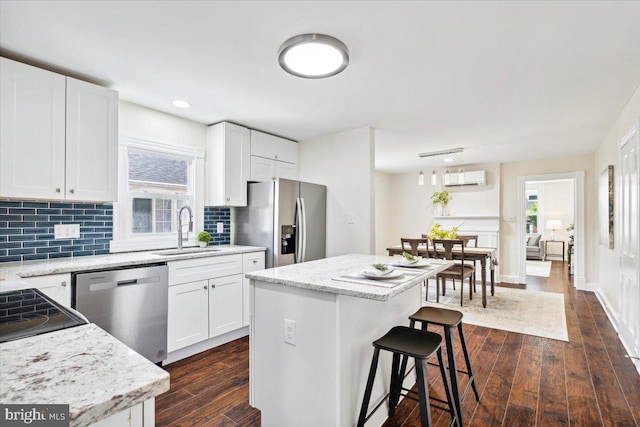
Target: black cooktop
[[28, 312]]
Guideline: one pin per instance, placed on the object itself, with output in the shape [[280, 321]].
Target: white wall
[[412, 210], [509, 241], [473, 200], [607, 271], [344, 162], [140, 122], [384, 215]]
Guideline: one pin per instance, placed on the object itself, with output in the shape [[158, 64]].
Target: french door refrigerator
[[287, 217]]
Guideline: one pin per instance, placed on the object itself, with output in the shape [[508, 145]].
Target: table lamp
[[553, 225]]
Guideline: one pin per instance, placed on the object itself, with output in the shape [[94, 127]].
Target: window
[[156, 180], [532, 212]]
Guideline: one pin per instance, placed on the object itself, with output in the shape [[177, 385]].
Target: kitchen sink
[[185, 251]]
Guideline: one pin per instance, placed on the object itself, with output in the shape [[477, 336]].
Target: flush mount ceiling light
[[313, 56], [181, 103]]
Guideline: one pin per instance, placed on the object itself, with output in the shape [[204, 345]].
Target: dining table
[[486, 256]]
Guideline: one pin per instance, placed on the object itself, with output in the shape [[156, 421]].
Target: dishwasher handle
[[128, 282]]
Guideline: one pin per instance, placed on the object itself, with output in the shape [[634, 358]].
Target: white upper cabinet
[[273, 147], [92, 141], [272, 157], [58, 137], [227, 165], [32, 131]]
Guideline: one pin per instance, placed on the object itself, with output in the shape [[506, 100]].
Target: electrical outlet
[[290, 331], [220, 227], [66, 231]]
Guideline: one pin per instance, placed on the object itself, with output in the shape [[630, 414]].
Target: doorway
[[551, 222]]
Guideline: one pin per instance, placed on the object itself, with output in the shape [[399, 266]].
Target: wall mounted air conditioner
[[456, 179]]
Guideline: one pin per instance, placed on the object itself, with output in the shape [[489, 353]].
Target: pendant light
[[421, 179], [434, 178]]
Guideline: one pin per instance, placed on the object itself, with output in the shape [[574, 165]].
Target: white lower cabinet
[[55, 286], [207, 297], [225, 304], [188, 311]]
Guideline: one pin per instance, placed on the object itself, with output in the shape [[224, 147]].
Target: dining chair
[[412, 245], [458, 271], [470, 241]]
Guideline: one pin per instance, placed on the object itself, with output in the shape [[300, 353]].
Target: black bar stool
[[408, 342], [448, 319]]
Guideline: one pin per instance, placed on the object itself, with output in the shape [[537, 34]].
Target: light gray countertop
[[319, 276], [84, 367], [11, 273]]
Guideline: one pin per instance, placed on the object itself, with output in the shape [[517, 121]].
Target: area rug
[[526, 312], [539, 268]]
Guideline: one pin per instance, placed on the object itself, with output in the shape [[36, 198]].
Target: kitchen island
[[311, 335], [101, 379]]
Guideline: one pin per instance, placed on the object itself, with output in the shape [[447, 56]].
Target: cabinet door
[[262, 170], [92, 142], [227, 165], [188, 317], [32, 132], [225, 304], [55, 286], [251, 262], [287, 170], [236, 168], [273, 147]]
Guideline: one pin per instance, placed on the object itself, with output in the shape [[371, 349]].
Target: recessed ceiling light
[[181, 104], [448, 159], [313, 56]]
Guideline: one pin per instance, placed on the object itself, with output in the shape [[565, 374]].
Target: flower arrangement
[[570, 231], [440, 198], [437, 232]]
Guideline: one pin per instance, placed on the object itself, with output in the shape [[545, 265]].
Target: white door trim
[[579, 276]]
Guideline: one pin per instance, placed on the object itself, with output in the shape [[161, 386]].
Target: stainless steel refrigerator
[[287, 217]]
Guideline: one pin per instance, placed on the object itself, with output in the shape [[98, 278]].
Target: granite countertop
[[318, 275], [11, 273], [84, 367]]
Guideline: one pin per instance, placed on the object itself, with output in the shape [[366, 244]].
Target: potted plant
[[204, 238], [441, 198]]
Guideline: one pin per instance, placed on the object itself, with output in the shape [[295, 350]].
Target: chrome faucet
[[180, 224]]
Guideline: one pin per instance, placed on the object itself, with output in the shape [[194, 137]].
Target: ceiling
[[507, 81]]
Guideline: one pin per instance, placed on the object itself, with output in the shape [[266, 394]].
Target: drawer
[[253, 261], [192, 270]]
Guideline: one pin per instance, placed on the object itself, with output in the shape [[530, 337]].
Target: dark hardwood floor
[[523, 380]]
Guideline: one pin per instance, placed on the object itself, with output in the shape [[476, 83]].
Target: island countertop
[[84, 367], [320, 275]]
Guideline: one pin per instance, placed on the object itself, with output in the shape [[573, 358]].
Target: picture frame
[[605, 207]]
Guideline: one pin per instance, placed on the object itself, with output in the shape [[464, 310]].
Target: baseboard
[[510, 279], [582, 285], [606, 306], [183, 353], [613, 318]]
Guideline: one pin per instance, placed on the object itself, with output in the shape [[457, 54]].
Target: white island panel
[[320, 380]]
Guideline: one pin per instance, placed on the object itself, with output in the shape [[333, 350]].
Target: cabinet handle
[[228, 199], [72, 191], [57, 190], [276, 156], [213, 286], [255, 261], [64, 283], [205, 287]]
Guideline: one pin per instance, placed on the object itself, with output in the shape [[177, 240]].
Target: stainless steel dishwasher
[[130, 304]]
